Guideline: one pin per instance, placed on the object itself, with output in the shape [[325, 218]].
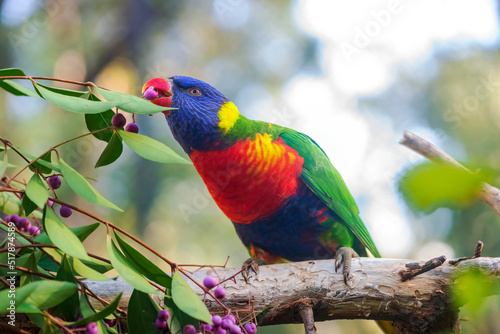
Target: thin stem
[[2, 250], [29, 271], [87, 84]]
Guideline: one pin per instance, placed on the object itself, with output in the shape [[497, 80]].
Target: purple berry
[[118, 120], [65, 212], [250, 328], [163, 315], [51, 202], [34, 230], [206, 327], [235, 330], [219, 330], [227, 324], [161, 324], [230, 317], [189, 329], [209, 282], [24, 223], [217, 320], [132, 127], [91, 328], [110, 322], [7, 219], [220, 293], [14, 218], [54, 181], [150, 93]]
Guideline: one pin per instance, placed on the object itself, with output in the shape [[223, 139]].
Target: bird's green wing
[[325, 181]]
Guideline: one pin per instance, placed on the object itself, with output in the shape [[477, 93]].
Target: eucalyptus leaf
[[37, 191], [17, 89], [151, 149], [81, 186], [142, 313], [111, 152], [11, 72], [130, 103]]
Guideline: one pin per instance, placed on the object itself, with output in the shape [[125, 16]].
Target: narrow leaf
[[47, 157], [131, 103], [82, 232], [126, 271], [87, 272], [73, 104], [143, 264], [36, 191], [178, 319], [151, 149], [28, 205], [111, 152], [82, 187], [142, 313], [49, 293], [109, 309], [99, 121], [62, 236], [17, 89], [11, 72], [187, 300], [63, 91], [69, 307]]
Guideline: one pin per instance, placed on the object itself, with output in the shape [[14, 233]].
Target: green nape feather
[[325, 181]]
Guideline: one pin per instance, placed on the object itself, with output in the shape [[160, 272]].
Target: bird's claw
[[251, 263], [344, 256]]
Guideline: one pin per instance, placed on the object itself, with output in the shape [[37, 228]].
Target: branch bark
[[288, 293], [488, 194]]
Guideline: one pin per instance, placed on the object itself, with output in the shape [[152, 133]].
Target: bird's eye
[[195, 91]]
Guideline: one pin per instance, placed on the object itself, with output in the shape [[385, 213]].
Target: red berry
[[65, 212], [118, 120], [250, 328], [189, 329], [161, 324], [54, 181], [220, 293], [150, 93], [209, 282], [163, 315], [132, 127]]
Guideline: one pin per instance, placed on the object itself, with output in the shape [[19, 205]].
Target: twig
[[414, 268], [477, 253], [488, 194], [307, 315]]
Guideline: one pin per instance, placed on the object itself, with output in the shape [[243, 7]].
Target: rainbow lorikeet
[[277, 186]]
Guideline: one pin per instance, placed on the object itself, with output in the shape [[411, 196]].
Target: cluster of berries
[[23, 224], [54, 181], [221, 325], [119, 121]]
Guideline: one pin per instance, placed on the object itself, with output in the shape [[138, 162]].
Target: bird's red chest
[[252, 178]]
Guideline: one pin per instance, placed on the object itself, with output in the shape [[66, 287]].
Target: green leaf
[[143, 264], [38, 164], [131, 103], [36, 191], [99, 121], [87, 272], [16, 89], [4, 164], [49, 327], [109, 309], [82, 232], [142, 313], [11, 72], [28, 205], [429, 186], [70, 307], [112, 151], [151, 149], [9, 203], [62, 236], [187, 300], [82, 187], [178, 319], [73, 104], [126, 271], [471, 287], [63, 91]]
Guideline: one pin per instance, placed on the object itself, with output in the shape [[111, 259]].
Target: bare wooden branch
[[374, 291], [488, 194]]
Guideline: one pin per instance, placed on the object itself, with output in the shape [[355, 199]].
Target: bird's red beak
[[159, 92]]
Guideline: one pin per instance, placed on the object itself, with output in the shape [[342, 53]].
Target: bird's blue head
[[195, 123]]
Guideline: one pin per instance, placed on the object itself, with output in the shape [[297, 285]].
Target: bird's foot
[[251, 263], [343, 257]]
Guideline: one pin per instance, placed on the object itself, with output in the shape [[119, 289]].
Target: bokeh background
[[351, 74]]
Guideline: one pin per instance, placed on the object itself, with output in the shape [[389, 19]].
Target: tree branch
[[375, 291], [488, 194]]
